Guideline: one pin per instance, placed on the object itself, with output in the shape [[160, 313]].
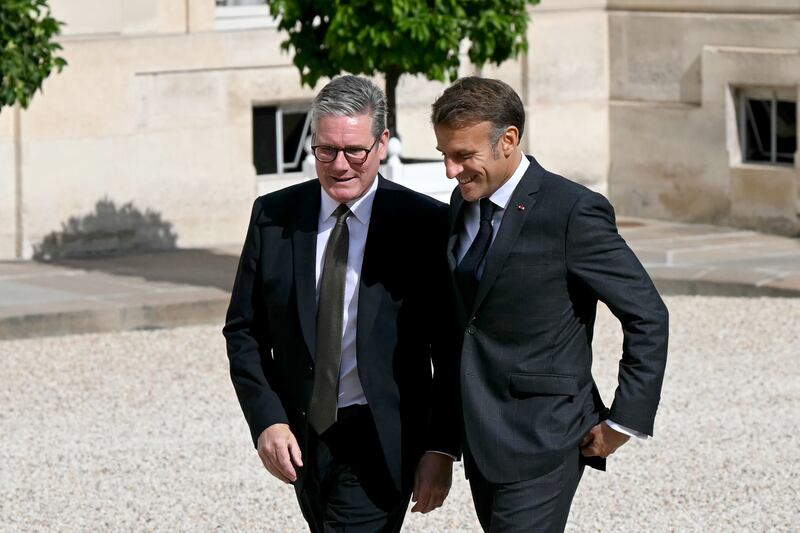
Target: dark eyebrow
[[460, 153], [348, 147]]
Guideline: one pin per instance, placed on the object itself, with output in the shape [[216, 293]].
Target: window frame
[[243, 17], [281, 165], [773, 95]]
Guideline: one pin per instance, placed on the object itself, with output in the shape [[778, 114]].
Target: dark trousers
[[540, 504], [348, 487]]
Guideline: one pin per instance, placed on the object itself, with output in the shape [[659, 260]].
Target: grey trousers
[[540, 504]]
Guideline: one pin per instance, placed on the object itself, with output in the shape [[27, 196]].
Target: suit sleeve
[[599, 257], [248, 342], [444, 432]]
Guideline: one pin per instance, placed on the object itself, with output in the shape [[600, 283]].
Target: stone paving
[[703, 259], [145, 291], [184, 287]]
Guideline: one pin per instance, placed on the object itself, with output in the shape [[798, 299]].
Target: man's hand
[[602, 440], [279, 451], [431, 482]]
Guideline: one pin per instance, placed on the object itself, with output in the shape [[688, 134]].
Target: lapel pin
[[521, 207]]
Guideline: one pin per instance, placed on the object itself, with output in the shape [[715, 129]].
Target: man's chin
[[469, 192], [344, 192]]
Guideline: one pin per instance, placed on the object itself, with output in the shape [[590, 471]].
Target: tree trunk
[[392, 77]]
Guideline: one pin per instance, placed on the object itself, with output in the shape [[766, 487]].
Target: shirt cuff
[[627, 431], [453, 457]]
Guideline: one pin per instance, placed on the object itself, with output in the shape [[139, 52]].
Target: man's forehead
[[362, 120], [466, 134], [466, 127]]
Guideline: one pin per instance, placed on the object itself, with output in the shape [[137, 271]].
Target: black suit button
[[471, 330], [303, 414], [310, 370]]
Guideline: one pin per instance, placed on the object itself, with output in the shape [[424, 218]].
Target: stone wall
[[632, 97], [144, 113], [674, 145]]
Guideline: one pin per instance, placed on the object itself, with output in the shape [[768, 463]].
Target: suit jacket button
[[471, 330], [303, 414], [310, 370]]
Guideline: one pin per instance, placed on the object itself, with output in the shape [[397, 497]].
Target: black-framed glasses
[[354, 154]]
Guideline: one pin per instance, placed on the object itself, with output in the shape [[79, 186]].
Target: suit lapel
[[522, 202], [304, 251], [456, 223], [457, 206], [370, 292]]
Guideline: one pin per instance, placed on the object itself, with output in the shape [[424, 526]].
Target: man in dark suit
[[339, 310], [531, 254]]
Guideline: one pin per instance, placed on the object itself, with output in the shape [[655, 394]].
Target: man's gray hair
[[350, 96]]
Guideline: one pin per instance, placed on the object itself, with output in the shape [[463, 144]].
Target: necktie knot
[[341, 213], [487, 208]]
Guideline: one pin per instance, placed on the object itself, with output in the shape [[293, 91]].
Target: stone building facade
[[182, 109]]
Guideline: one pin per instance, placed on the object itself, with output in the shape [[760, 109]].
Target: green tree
[[27, 49], [396, 37]]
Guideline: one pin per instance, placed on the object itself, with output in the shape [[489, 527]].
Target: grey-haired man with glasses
[[339, 312]]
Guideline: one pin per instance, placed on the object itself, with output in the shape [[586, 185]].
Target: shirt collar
[[502, 196], [361, 207]]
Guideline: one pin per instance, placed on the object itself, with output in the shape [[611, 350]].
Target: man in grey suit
[[531, 253]]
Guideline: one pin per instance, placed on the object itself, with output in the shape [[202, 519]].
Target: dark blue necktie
[[466, 273]]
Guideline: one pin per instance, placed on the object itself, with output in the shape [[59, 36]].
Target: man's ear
[[509, 141], [383, 144]]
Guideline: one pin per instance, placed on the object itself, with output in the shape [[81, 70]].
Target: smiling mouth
[[343, 179], [464, 181]]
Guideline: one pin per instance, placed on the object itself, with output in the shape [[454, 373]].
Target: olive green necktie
[[330, 318]]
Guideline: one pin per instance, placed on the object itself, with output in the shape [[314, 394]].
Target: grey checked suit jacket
[[527, 390]]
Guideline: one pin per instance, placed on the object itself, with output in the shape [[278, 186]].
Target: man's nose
[[452, 169], [341, 162]]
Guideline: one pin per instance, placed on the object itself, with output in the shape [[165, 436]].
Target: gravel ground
[[141, 431]]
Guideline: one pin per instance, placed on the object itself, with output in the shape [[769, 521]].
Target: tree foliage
[[27, 49], [396, 37]]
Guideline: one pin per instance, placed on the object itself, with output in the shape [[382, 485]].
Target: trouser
[[348, 487], [540, 504]]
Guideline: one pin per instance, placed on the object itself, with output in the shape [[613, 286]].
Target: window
[[243, 15], [768, 125], [279, 135], [227, 3]]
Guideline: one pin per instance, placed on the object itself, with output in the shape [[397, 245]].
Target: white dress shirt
[[472, 222], [350, 390]]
